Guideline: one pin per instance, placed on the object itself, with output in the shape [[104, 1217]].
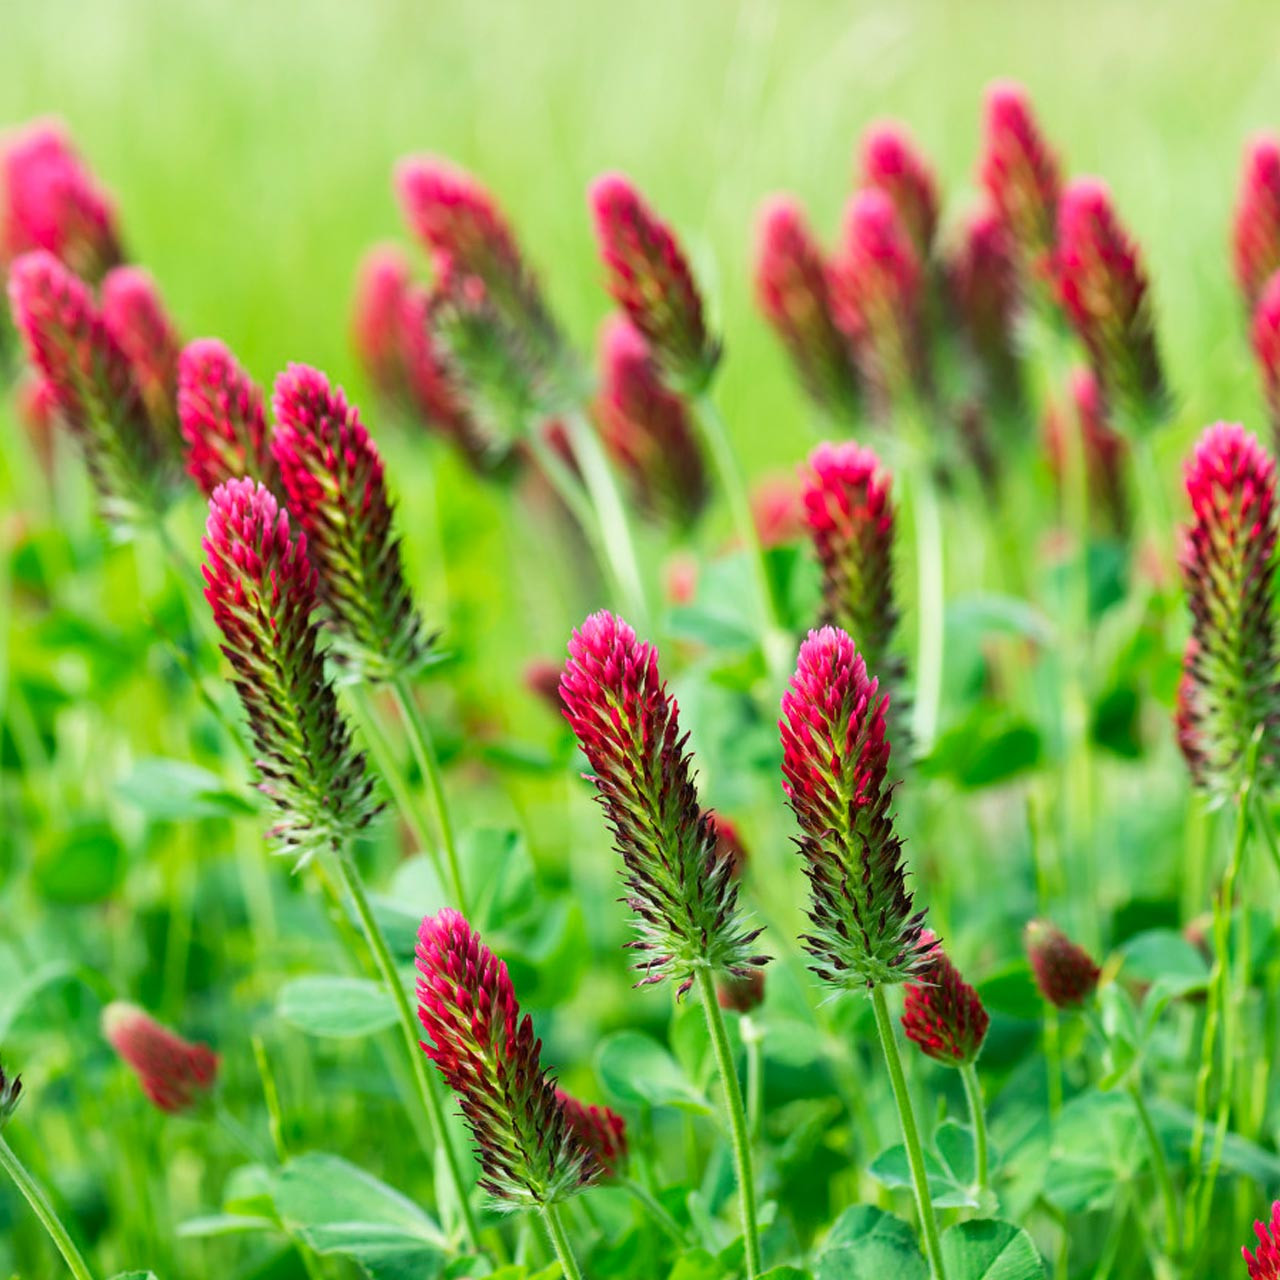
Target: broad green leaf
[[892, 1168], [697, 1264], [80, 866], [1012, 991], [223, 1224], [1097, 1148], [337, 1008], [985, 1249], [176, 791], [868, 1244], [1164, 956], [635, 1068]]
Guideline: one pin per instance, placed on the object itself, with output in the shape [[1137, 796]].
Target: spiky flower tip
[[601, 1130], [93, 386], [876, 285], [528, 1150], [942, 1013], [332, 475], [793, 293], [10, 1095], [1020, 172], [1105, 449], [646, 428], [1256, 230], [1265, 333], [1227, 567], [223, 421], [835, 764], [135, 314], [1102, 285], [174, 1073], [650, 279], [679, 884], [263, 593], [1265, 1263], [49, 200], [891, 161], [1064, 972]]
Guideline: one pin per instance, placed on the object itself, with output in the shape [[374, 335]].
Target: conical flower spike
[[1265, 333], [603, 1132], [942, 1013], [1256, 233], [866, 931], [10, 1095], [262, 590], [135, 315], [529, 1153], [174, 1073], [679, 884], [1265, 1263], [1064, 972], [377, 319], [891, 161]]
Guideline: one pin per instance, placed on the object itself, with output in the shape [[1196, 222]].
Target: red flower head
[[1064, 972], [835, 773], [377, 319], [681, 888], [792, 292], [876, 286], [1266, 347], [650, 279], [173, 1073], [602, 1131], [528, 1150], [1020, 172], [331, 472], [93, 386], [646, 427], [1265, 1263], [136, 317], [220, 411], [10, 1096], [777, 510], [1256, 234], [891, 161], [49, 200], [1105, 450], [942, 1013], [262, 590], [1103, 288], [1227, 566]]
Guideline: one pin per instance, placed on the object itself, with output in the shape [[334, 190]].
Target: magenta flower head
[[646, 428], [223, 422], [1265, 1263], [1265, 334], [602, 1131], [794, 296], [942, 1013], [1227, 567], [1020, 172], [263, 593], [835, 765], [174, 1073], [134, 313], [1064, 972], [1103, 289], [10, 1095], [377, 319], [891, 161], [1256, 231], [1105, 449], [528, 1150], [331, 473], [93, 387], [650, 279], [679, 882]]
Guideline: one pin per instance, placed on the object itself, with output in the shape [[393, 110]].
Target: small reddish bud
[[174, 1073], [1265, 333], [942, 1013], [1105, 450], [10, 1095], [1256, 231], [1064, 972], [135, 315], [602, 1131], [1265, 1263], [891, 161]]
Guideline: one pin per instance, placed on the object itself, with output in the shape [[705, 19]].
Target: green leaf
[[869, 1244], [176, 791], [223, 1224], [786, 1273], [82, 866], [985, 1249], [336, 1008], [1165, 957], [697, 1264], [635, 1068], [1012, 991], [892, 1168]]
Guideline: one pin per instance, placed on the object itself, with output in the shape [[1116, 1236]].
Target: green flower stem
[[752, 1039], [654, 1208], [978, 1117], [560, 1242], [737, 1119], [409, 1027], [1159, 1162], [910, 1134], [38, 1199]]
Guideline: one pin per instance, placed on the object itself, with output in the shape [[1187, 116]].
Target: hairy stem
[[560, 1242], [36, 1196], [978, 1116]]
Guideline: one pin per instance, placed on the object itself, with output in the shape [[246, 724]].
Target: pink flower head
[[1020, 171], [650, 279], [332, 476], [1227, 567], [134, 312], [602, 1131], [1105, 450], [1265, 333], [793, 293], [10, 1095], [1102, 285], [1265, 1263], [377, 319], [680, 886], [49, 200], [835, 773], [262, 590], [891, 161], [777, 510], [1064, 972], [1256, 232], [174, 1073], [221, 414], [646, 427], [528, 1150], [942, 1013]]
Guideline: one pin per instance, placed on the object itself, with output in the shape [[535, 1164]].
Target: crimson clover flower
[[332, 475], [10, 1095], [865, 929], [174, 1073], [679, 881], [1265, 1263], [1064, 971], [891, 161], [942, 1013], [135, 315], [1256, 230], [1265, 334], [263, 593], [1106, 451], [529, 1151], [383, 281], [601, 1130], [793, 293], [1227, 567]]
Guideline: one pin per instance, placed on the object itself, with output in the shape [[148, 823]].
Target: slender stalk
[[654, 1208], [737, 1119], [752, 1036], [38, 1199], [930, 609], [978, 1117], [408, 1026], [910, 1134], [1160, 1164], [560, 1242]]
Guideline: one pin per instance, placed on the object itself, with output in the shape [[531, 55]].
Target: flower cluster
[[893, 163], [1064, 971], [942, 1013], [1265, 1263], [601, 1130], [1256, 232], [135, 315], [174, 1073]]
